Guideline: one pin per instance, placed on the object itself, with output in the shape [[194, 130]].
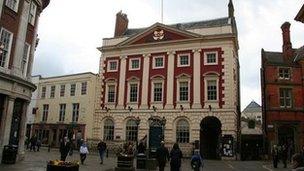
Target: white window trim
[[32, 22], [152, 90], [283, 78], [211, 78], [16, 7], [178, 59], [130, 64], [107, 91], [177, 89], [27, 59], [216, 58], [154, 62], [9, 47], [128, 94], [108, 66]]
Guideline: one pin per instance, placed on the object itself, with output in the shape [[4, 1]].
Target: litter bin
[[141, 161], [9, 154]]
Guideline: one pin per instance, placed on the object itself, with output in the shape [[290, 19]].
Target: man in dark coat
[[102, 147], [162, 155], [275, 156], [65, 148], [176, 156]]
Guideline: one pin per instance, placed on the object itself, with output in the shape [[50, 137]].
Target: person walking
[[162, 155], [33, 142], [83, 152], [65, 147], [102, 147], [176, 156], [275, 156], [141, 148], [284, 155], [197, 161], [38, 144]]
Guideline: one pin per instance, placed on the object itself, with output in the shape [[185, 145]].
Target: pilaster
[[170, 80], [8, 120], [22, 131], [196, 78], [145, 82], [122, 82]]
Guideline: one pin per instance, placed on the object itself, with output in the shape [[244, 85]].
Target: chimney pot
[[287, 46], [121, 24]]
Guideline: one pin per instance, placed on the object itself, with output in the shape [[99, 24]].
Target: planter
[[62, 166], [125, 162]]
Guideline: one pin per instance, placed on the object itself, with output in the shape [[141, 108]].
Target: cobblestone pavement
[[36, 161]]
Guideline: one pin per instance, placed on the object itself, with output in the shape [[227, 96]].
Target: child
[[196, 161]]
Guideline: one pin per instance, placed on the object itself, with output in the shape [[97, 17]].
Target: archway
[[210, 134]]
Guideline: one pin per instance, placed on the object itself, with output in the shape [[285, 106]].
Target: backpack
[[196, 161]]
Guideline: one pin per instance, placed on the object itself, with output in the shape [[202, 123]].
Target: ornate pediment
[[159, 33]]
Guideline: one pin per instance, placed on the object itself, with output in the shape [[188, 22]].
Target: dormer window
[[183, 60], [112, 65], [284, 73], [134, 64]]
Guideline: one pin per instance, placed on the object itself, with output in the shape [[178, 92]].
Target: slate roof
[[190, 25], [299, 54], [274, 57], [252, 107]]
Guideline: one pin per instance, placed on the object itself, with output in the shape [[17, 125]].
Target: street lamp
[[137, 122]]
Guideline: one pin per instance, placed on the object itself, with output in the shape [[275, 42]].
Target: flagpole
[[162, 6]]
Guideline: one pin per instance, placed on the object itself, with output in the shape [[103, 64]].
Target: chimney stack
[[121, 25], [287, 46]]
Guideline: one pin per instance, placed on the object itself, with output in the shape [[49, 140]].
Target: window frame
[[25, 59], [153, 91], [52, 91], [62, 109], [84, 88], [284, 89], [179, 81], [211, 77], [131, 66], [182, 131], [109, 66], [132, 132], [15, 8], [43, 92], [282, 77], [216, 89], [154, 62], [206, 58], [62, 90], [32, 13], [9, 46], [179, 60], [45, 113], [108, 130], [75, 112], [72, 90]]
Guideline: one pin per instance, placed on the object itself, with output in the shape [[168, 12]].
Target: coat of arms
[[158, 34]]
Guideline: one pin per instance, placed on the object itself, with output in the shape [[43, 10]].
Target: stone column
[[22, 131], [8, 120], [170, 80], [145, 82], [122, 82], [20, 40], [196, 78]]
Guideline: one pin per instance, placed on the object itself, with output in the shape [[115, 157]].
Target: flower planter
[[62, 166]]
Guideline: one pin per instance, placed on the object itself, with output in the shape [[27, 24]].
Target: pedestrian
[[284, 155], [141, 149], [176, 156], [162, 155], [297, 162], [83, 152], [65, 147], [197, 161], [102, 147], [275, 156], [38, 144], [33, 142]]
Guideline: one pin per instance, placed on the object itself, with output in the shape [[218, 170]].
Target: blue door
[[155, 137]]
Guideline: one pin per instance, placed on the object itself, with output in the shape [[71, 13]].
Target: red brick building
[[282, 94], [18, 40]]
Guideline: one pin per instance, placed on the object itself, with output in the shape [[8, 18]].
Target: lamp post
[[137, 122]]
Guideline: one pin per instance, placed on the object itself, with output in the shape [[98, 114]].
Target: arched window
[[131, 130], [108, 130], [182, 131]]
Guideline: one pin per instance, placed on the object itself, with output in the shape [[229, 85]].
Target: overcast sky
[[70, 31]]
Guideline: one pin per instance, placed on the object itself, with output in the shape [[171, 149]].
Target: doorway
[[210, 134]]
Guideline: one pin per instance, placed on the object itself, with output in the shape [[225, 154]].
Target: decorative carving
[[158, 34]]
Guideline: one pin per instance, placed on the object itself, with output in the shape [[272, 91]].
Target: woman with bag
[[83, 152]]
